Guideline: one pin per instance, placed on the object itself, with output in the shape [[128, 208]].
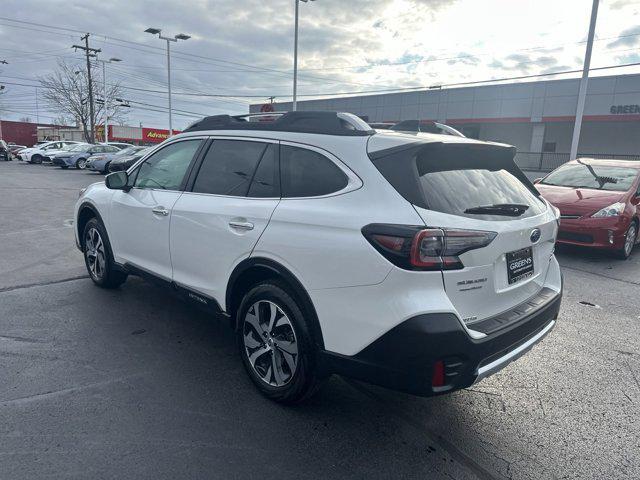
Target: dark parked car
[[123, 162], [100, 161]]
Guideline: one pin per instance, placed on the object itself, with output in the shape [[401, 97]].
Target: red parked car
[[598, 202]]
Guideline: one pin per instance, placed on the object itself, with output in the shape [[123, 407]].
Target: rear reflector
[[437, 377]]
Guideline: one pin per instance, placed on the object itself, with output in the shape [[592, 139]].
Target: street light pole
[[295, 61], [169, 81], [104, 96], [295, 57], [175, 38], [582, 93]]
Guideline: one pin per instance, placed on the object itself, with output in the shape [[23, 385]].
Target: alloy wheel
[[82, 163], [270, 343], [95, 253], [630, 239]]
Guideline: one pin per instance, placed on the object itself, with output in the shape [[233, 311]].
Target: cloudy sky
[[242, 50]]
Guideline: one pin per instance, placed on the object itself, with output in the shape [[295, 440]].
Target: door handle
[[160, 211], [241, 225]]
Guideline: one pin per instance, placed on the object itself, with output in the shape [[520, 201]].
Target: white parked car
[[418, 262], [44, 152]]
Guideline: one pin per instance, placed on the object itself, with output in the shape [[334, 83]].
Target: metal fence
[[547, 161]]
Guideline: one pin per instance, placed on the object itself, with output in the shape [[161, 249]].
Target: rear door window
[[228, 167], [266, 180], [306, 173]]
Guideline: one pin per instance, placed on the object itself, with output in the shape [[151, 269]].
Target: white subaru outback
[[419, 262]]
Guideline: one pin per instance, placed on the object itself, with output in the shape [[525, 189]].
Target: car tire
[[276, 344], [81, 163], [98, 256], [630, 238], [64, 167], [37, 159], [106, 168]]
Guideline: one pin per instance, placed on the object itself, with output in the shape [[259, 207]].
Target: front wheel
[[276, 344], [36, 159], [81, 163], [629, 241], [98, 256]]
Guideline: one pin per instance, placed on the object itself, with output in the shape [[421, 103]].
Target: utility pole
[[37, 111], [582, 93], [89, 52]]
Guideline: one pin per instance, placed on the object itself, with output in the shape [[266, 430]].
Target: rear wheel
[[98, 256], [276, 345], [629, 241], [81, 163]]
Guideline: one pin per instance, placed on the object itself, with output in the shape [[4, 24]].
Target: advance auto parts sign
[[155, 135]]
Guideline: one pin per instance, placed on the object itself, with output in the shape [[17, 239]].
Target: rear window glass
[[306, 173], [473, 180], [598, 177], [463, 191]]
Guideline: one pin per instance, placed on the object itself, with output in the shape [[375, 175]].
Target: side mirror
[[117, 181], [537, 180]]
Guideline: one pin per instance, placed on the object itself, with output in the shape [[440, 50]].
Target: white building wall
[[509, 112]]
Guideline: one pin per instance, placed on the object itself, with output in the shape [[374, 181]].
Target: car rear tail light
[[416, 248]]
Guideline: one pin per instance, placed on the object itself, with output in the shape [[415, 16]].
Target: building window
[[549, 147]]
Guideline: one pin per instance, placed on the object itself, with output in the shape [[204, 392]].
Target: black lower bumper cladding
[[404, 357]]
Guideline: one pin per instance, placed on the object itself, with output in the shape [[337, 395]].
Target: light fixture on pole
[[104, 95], [175, 38], [295, 58]]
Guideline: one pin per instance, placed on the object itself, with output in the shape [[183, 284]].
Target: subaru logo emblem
[[535, 235]]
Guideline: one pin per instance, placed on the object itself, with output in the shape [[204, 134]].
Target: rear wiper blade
[[507, 209]]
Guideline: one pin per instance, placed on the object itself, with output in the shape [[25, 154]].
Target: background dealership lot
[[135, 383]]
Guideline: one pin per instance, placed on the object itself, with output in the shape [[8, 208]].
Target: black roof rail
[[327, 123]]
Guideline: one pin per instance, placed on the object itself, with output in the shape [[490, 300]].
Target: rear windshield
[[478, 181], [598, 177], [462, 191]]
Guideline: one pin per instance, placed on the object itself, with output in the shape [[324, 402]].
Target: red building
[[20, 133]]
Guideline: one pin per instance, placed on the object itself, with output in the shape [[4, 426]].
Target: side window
[[305, 173], [167, 167], [266, 180], [228, 167]]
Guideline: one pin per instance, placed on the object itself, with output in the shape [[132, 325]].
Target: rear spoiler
[[400, 165]]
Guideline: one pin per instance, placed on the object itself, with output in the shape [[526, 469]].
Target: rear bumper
[[404, 357], [605, 233]]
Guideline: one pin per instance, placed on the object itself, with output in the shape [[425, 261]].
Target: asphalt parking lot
[[132, 383]]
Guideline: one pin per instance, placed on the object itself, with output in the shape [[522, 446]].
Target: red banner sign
[[156, 135]]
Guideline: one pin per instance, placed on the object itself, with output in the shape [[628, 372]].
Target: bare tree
[[25, 119], [67, 91]]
